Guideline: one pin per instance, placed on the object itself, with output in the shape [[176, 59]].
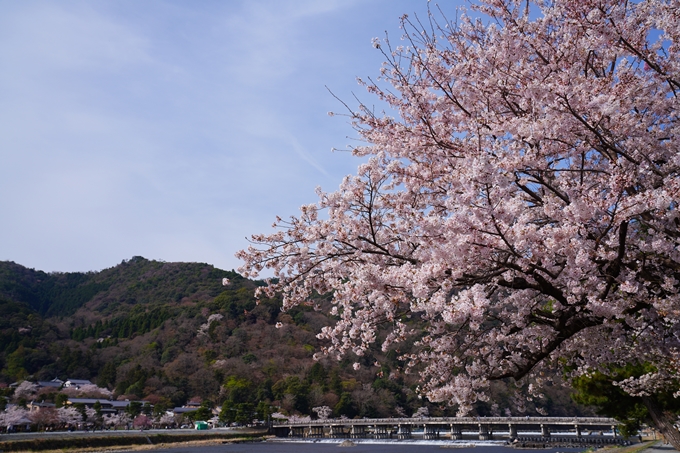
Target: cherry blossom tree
[[87, 391], [279, 416], [422, 412], [142, 422], [165, 420], [25, 390], [44, 417], [322, 412], [522, 202], [204, 329], [69, 416], [91, 416], [117, 420], [299, 419], [14, 416]]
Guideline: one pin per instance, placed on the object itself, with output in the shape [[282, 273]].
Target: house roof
[[23, 421], [182, 410], [103, 402], [78, 381]]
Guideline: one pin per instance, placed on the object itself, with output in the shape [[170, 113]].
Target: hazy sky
[[173, 129]]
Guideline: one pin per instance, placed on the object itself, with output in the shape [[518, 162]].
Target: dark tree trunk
[[663, 421]]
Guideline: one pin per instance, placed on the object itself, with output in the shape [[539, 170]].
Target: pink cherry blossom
[[323, 412], [13, 416], [522, 202]]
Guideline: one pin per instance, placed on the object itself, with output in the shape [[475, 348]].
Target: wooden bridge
[[588, 430]]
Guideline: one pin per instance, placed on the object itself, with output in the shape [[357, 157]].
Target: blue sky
[[173, 129]]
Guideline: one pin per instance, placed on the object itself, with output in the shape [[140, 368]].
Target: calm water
[[361, 447]]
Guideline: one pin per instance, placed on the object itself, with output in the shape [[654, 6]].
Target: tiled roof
[[103, 402], [182, 410]]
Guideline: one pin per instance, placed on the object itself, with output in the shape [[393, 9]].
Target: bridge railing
[[581, 421]]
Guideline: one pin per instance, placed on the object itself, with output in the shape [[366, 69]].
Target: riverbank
[[316, 447], [128, 441], [116, 442], [635, 448], [650, 446]]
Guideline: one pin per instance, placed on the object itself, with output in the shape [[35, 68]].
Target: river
[[330, 445]]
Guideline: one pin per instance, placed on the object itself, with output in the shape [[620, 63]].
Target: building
[[35, 406], [184, 410], [107, 406], [55, 383], [77, 383]]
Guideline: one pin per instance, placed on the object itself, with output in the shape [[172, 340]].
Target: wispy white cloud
[[269, 37]]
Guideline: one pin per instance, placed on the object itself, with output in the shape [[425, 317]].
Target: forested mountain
[[171, 332]]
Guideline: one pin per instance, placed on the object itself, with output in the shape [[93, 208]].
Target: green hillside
[[171, 332]]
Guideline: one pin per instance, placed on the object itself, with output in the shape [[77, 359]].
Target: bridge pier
[[484, 432], [357, 432], [337, 432], [404, 432], [512, 429], [614, 431], [456, 432], [380, 432], [297, 431], [545, 432], [431, 432], [578, 430], [315, 431]]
